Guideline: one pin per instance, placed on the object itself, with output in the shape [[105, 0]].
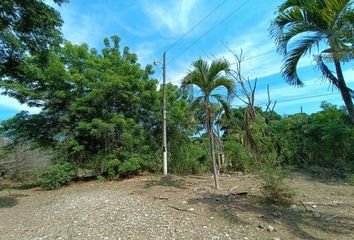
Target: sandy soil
[[151, 207]]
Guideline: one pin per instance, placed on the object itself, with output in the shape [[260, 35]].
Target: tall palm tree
[[301, 25], [207, 78]]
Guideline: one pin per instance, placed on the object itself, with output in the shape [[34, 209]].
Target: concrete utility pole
[[164, 127]]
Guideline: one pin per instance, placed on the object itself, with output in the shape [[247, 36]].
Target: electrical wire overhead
[[195, 26], [208, 31]]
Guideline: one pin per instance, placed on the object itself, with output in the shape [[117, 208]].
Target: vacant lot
[[151, 207]]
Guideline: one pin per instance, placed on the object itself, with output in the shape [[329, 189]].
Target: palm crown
[[209, 78], [302, 24]]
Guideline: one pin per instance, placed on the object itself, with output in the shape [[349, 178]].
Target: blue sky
[[150, 26]]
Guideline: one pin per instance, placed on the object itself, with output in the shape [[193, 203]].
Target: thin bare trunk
[[212, 148]]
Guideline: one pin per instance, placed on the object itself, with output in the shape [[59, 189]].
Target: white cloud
[[254, 44], [81, 28], [171, 16]]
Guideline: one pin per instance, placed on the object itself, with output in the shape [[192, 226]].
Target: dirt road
[[149, 207]]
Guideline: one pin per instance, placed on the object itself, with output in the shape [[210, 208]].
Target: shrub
[[112, 168], [274, 189], [131, 166], [239, 156], [56, 176], [100, 178]]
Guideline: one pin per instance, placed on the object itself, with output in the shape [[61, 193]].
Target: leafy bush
[[131, 166], [56, 176], [188, 158], [274, 189], [100, 178]]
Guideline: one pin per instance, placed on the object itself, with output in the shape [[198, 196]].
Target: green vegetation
[[56, 176], [307, 25], [101, 111]]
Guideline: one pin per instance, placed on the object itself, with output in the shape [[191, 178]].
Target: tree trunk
[[212, 148], [218, 143], [347, 98]]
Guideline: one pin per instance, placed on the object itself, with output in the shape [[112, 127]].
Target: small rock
[[293, 206], [260, 226], [270, 229], [316, 215], [276, 238], [191, 209]]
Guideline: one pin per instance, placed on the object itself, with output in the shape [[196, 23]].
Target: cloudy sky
[[149, 27]]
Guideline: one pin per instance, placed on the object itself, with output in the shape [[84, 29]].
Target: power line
[[247, 59], [256, 56], [259, 55], [195, 26], [294, 99], [207, 32]]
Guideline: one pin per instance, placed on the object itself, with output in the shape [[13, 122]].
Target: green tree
[[301, 25], [101, 110], [26, 27], [208, 78]]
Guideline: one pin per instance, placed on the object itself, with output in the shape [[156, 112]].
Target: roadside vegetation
[[101, 109]]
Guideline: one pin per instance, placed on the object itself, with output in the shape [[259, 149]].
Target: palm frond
[[223, 82], [217, 67], [225, 105], [289, 68], [292, 23], [328, 75]]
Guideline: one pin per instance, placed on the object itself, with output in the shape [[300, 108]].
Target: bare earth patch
[[151, 207]]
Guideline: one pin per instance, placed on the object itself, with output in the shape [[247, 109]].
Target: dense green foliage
[[101, 111], [56, 176], [28, 27], [323, 139]]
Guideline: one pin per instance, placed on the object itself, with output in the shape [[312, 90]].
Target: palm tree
[[301, 25], [207, 78]]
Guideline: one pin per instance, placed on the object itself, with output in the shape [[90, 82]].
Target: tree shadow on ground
[[236, 209], [320, 174], [8, 202], [21, 186], [166, 181]]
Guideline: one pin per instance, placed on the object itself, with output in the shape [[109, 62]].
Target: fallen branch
[[333, 203], [199, 177], [161, 198], [181, 209], [239, 193], [171, 190], [201, 188]]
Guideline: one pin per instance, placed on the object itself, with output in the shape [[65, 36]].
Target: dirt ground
[[151, 207]]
